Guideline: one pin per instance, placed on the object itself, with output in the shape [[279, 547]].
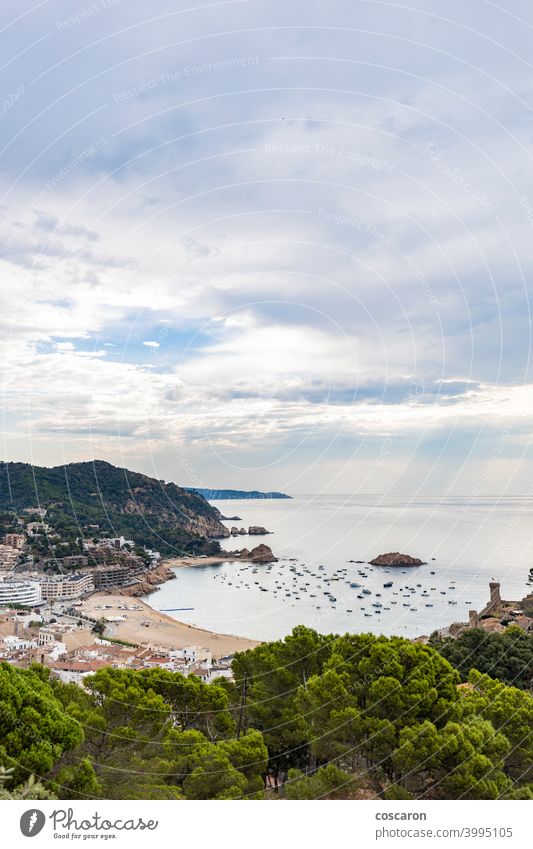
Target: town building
[[17, 541], [14, 643], [192, 654], [64, 587], [25, 592], [73, 672], [9, 558], [113, 575], [75, 561], [35, 511], [37, 528]]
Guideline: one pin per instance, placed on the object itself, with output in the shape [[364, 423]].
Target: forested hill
[[228, 494], [118, 500]]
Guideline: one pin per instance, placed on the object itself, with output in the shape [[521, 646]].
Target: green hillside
[[157, 514]]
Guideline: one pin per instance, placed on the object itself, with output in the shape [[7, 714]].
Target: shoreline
[[194, 562], [148, 626]]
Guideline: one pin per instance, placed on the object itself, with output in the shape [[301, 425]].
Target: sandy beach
[[161, 630], [181, 562]]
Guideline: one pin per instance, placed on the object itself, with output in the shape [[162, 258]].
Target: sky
[[270, 245]]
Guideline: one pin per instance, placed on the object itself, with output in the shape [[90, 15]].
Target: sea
[[465, 543]]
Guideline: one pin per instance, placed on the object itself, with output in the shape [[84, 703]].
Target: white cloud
[[283, 247]]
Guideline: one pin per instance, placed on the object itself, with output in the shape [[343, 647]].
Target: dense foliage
[[507, 656], [157, 514], [308, 717], [34, 730]]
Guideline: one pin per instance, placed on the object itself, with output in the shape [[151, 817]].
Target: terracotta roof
[[101, 649], [79, 666]]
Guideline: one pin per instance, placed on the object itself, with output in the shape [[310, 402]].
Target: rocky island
[[260, 554], [394, 558], [253, 531]]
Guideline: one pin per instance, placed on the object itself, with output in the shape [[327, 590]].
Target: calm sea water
[[472, 541]]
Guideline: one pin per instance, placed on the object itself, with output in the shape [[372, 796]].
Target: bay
[[473, 541]]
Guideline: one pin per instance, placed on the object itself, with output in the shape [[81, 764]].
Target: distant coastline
[[235, 494]]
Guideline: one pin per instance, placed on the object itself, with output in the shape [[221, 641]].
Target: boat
[[388, 584]]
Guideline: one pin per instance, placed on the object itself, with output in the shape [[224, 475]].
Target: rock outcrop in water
[[257, 531], [394, 558], [260, 554]]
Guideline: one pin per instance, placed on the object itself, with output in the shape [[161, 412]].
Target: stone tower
[[495, 597], [473, 618]]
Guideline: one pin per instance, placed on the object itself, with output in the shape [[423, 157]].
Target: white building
[[55, 648], [20, 592], [192, 654], [13, 643], [73, 672], [115, 542]]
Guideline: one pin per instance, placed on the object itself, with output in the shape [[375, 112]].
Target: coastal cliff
[[238, 494], [111, 500], [148, 583]]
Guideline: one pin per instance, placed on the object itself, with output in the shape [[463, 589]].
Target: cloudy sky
[[278, 245]]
